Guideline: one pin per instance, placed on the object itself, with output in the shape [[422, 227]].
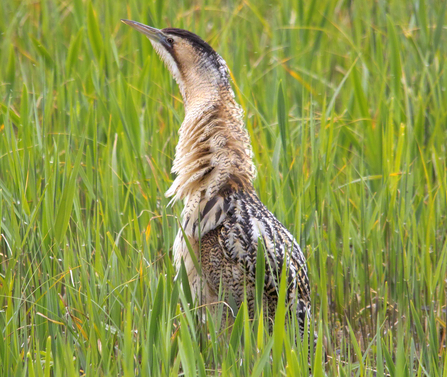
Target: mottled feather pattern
[[213, 151], [231, 225], [223, 218]]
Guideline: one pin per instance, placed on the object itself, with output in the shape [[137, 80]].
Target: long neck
[[213, 151], [200, 93], [202, 85]]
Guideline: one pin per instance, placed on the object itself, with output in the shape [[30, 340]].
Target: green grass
[[346, 106]]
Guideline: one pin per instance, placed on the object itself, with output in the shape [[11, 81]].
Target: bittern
[[223, 217]]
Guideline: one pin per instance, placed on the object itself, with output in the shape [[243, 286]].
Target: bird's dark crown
[[194, 39]]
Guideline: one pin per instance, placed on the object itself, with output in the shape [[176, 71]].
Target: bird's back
[[233, 224]]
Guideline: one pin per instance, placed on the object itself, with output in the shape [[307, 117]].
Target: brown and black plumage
[[214, 169]]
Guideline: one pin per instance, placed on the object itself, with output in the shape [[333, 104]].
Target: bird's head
[[194, 64]]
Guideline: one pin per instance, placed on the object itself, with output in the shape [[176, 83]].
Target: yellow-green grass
[[346, 106]]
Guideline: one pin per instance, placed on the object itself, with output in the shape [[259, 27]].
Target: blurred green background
[[346, 106]]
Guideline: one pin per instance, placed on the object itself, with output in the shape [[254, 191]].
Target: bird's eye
[[170, 40]]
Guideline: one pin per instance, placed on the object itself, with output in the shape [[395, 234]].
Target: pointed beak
[[152, 33]]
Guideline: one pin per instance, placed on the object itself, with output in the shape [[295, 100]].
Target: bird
[[223, 219]]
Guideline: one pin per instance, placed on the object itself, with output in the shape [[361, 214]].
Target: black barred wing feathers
[[229, 251]]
